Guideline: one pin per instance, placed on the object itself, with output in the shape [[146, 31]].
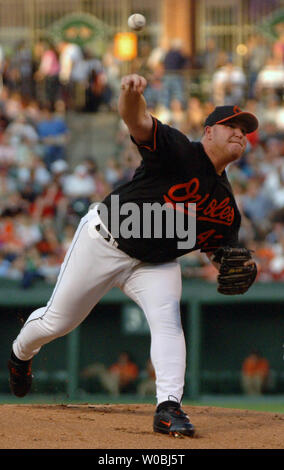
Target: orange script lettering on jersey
[[214, 211]]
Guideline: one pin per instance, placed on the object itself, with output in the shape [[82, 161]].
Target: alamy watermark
[[151, 220]]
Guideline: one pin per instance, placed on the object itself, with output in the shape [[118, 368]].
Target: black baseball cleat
[[20, 376], [171, 419]]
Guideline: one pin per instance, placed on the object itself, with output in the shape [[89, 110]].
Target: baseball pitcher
[[118, 244]]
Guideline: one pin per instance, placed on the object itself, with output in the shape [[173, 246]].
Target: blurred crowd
[[42, 196]]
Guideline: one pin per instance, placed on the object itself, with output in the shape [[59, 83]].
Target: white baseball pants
[[92, 266]]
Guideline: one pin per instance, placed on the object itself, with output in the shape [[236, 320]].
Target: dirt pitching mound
[[87, 426]]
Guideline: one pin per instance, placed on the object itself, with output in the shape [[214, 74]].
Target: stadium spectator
[[272, 113], [255, 373], [111, 66], [50, 203], [48, 73], [89, 83], [177, 115], [270, 80], [101, 184], [27, 230], [208, 58], [278, 46], [7, 185], [32, 112], [255, 59], [20, 130], [13, 104], [228, 84], [79, 183], [119, 378], [113, 172], [69, 55], [257, 205], [53, 134], [15, 268], [19, 70], [175, 63], [31, 268], [80, 189], [195, 115]]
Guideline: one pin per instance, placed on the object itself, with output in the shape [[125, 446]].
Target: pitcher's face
[[229, 139]]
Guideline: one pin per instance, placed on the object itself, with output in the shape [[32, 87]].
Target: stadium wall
[[220, 333]]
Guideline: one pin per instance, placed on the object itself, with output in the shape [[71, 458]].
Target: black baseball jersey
[[176, 172]]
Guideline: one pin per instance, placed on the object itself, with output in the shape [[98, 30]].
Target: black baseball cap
[[232, 113]]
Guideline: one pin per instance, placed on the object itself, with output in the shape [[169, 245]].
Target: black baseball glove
[[234, 277]]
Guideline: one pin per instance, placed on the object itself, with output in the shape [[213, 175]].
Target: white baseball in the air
[[136, 21]]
